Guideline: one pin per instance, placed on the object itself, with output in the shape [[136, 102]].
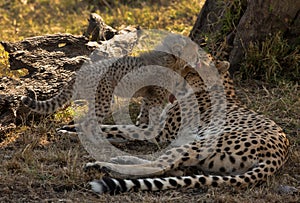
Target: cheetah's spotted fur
[[246, 151]]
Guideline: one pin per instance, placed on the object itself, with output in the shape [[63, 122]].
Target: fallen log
[[50, 61]]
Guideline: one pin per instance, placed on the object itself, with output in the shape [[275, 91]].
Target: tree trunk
[[259, 19], [207, 21]]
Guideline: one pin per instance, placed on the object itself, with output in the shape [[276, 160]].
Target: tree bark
[[50, 51], [207, 21], [49, 60], [260, 19]]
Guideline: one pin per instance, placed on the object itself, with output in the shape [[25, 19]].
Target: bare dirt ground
[[39, 165]]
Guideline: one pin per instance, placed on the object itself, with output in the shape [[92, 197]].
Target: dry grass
[[39, 165]]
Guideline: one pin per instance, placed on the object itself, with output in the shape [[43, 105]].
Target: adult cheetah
[[231, 146]]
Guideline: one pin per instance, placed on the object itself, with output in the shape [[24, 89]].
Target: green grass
[[273, 60]]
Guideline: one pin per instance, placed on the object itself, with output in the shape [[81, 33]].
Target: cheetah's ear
[[222, 66]]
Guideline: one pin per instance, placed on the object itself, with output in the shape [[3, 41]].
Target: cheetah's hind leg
[[124, 171], [128, 160], [166, 163]]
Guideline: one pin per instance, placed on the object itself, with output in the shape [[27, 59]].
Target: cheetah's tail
[[50, 105], [115, 186]]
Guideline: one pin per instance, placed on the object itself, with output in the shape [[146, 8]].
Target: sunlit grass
[[21, 18], [36, 17], [175, 17]]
